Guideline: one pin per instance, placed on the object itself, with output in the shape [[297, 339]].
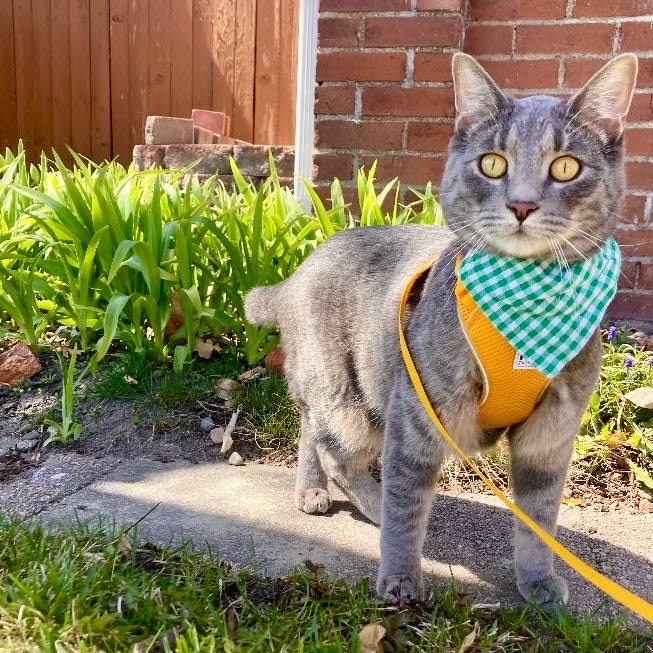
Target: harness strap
[[637, 604]]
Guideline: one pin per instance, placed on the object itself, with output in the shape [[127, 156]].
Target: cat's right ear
[[478, 98]]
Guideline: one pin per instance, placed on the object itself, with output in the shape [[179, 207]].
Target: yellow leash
[[637, 604]]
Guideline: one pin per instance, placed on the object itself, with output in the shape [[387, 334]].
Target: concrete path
[[247, 515]]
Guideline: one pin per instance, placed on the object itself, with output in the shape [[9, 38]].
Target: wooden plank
[[202, 55], [160, 57], [284, 133], [24, 78], [244, 63], [223, 44], [61, 89], [100, 82], [139, 68], [42, 75], [80, 76], [266, 93], [8, 120], [181, 63], [121, 142]]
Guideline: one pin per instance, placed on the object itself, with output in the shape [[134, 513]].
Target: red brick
[[645, 72], [639, 142], [254, 160], [538, 74], [518, 10], [329, 166], [368, 135], [635, 242], [418, 102], [429, 136], [637, 36], [606, 8], [364, 5], [432, 31], [488, 39], [163, 130], [410, 169], [349, 195], [633, 209], [631, 306], [628, 276], [214, 121], [645, 278], [563, 39], [639, 175], [361, 66], [578, 71], [441, 5], [641, 109], [432, 67], [334, 100], [338, 32]]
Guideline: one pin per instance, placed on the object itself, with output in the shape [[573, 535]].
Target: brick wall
[[384, 91]]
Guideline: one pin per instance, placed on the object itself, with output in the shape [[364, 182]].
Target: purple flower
[[649, 361], [612, 333], [629, 362]]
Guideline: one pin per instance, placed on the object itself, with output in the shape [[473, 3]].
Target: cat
[[337, 315]]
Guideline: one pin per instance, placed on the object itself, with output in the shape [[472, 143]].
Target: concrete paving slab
[[247, 515]]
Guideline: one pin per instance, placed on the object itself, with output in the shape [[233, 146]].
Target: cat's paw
[[548, 593], [400, 590], [313, 500]]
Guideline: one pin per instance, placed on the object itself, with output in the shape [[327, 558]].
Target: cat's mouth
[[522, 242]]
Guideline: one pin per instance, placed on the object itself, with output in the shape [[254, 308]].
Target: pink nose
[[522, 209]]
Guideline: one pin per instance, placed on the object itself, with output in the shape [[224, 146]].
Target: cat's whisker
[[568, 242]]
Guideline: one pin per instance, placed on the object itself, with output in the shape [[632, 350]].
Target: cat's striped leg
[[411, 464], [311, 494]]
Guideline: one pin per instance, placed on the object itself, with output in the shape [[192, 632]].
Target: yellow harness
[[512, 387]]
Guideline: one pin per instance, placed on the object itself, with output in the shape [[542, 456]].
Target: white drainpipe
[[305, 107]]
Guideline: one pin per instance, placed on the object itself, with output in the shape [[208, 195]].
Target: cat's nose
[[522, 209]]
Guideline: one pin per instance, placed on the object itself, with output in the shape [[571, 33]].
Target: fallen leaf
[[315, 568], [225, 388], [129, 380], [642, 397], [217, 435], [205, 348], [125, 546], [252, 374], [231, 619], [569, 501], [370, 637], [468, 642]]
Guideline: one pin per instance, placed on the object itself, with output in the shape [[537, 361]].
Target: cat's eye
[[565, 168], [493, 165]]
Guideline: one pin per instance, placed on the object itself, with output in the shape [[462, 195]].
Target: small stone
[[646, 506], [17, 364], [25, 445], [52, 431], [32, 435], [217, 435], [236, 459], [207, 425]]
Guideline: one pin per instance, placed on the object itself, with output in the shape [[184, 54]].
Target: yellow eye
[[565, 168], [493, 165]]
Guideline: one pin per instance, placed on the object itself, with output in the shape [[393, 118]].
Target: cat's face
[[537, 177]]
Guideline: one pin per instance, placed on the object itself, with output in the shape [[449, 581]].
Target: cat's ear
[[478, 98], [604, 101]]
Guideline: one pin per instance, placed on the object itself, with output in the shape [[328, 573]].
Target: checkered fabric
[[546, 311]]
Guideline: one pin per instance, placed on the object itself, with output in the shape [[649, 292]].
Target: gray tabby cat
[[338, 315]]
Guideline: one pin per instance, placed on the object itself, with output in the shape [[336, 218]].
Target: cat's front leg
[[541, 450], [411, 463]]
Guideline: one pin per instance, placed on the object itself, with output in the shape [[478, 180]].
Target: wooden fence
[[86, 73]]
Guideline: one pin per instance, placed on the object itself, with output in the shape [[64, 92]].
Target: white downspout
[[305, 106]]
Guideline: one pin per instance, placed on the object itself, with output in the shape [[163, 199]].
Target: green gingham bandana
[[546, 311]]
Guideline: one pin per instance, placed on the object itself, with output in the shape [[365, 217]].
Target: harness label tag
[[521, 363]]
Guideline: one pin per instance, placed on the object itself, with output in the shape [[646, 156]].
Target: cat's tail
[[262, 305]]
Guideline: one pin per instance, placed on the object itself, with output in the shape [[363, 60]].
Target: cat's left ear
[[604, 101]]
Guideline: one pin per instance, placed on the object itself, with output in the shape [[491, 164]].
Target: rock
[[17, 364], [25, 445], [32, 435], [646, 506], [207, 425], [217, 435], [236, 459], [225, 388], [274, 362]]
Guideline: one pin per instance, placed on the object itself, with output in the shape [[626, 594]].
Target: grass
[[99, 589]]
